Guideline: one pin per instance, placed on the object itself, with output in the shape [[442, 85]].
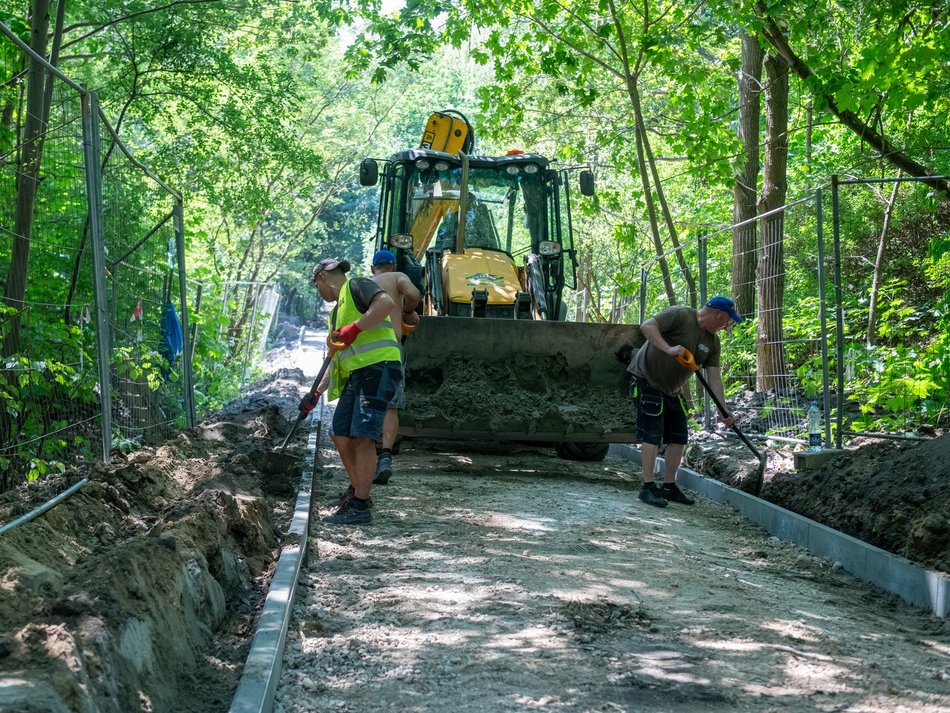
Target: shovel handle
[[686, 359]]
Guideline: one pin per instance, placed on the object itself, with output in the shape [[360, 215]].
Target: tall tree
[[745, 190], [28, 174], [770, 277]]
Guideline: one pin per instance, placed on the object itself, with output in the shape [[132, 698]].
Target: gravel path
[[510, 580]]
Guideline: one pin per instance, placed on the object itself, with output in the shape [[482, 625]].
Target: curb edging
[[929, 589]]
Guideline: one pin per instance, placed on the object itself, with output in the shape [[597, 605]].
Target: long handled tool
[[687, 360], [280, 462]]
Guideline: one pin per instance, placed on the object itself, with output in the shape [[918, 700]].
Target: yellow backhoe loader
[[488, 241]]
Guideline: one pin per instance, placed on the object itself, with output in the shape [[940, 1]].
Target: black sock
[[386, 451], [359, 503]]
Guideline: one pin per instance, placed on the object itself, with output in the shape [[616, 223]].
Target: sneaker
[[651, 495], [672, 492], [345, 498], [384, 469], [349, 514]]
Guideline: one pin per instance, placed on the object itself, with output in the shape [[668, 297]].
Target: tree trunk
[[654, 225], [665, 209], [28, 171], [771, 269], [744, 192], [879, 264]]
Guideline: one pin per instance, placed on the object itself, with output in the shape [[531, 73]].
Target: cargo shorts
[[399, 398], [362, 406], [660, 417]]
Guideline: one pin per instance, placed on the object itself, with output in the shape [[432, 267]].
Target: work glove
[[410, 322], [346, 335], [309, 402]]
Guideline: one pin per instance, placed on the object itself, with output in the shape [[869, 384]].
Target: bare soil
[[491, 579], [505, 579]]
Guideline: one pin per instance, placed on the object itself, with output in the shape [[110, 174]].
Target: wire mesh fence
[[51, 411], [232, 321], [894, 362], [142, 238], [775, 362], [92, 258], [855, 319]]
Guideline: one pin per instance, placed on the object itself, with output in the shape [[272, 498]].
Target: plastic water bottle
[[814, 427]]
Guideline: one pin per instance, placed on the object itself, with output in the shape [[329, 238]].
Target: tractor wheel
[[582, 451]]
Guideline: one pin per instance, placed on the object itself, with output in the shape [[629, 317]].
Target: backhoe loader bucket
[[522, 380]]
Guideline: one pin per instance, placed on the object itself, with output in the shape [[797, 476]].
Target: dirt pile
[[893, 495], [536, 394], [110, 601]]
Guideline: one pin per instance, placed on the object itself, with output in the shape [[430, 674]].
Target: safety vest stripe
[[355, 349]]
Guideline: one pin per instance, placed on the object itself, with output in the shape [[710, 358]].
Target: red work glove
[[309, 402], [346, 335]]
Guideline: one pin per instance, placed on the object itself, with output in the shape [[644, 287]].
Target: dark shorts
[[660, 417], [362, 406], [399, 398]]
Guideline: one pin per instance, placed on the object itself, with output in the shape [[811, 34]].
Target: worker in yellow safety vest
[[364, 375]]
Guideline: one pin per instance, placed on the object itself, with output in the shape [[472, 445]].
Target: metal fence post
[[643, 293], [822, 299], [186, 351], [250, 329], [701, 248], [91, 148], [839, 308]]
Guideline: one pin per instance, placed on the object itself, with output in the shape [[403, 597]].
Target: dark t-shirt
[[363, 290], [678, 326]]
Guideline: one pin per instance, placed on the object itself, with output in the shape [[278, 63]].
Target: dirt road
[[514, 581]]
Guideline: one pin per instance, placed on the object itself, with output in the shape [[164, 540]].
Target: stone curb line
[[258, 684], [897, 575]]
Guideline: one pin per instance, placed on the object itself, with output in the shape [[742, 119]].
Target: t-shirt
[[678, 326], [363, 289]]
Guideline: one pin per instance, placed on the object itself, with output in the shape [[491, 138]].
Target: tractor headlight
[[441, 166], [531, 168], [512, 170], [549, 248], [422, 164]]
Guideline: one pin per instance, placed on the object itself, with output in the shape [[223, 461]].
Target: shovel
[[687, 360], [279, 461]]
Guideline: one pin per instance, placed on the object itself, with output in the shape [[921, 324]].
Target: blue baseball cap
[[383, 257], [724, 304]]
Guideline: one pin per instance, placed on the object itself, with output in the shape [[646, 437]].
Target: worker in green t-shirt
[[660, 379]]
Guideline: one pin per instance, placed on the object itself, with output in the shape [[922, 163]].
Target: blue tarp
[[172, 341]]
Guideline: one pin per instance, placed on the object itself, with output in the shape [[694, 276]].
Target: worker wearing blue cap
[[660, 379], [405, 297]]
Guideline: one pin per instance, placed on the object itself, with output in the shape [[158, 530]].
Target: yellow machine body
[[477, 269], [444, 133]]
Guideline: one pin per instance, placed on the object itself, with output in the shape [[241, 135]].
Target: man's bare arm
[[409, 293]]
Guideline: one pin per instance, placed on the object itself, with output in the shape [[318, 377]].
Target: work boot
[[350, 514], [384, 469], [345, 497], [672, 493], [651, 495]]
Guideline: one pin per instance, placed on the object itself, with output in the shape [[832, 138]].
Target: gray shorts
[[399, 398]]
